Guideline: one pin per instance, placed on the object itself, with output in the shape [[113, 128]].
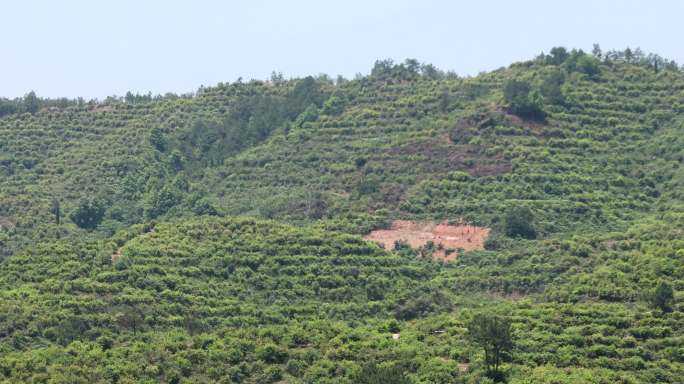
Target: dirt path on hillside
[[119, 251]]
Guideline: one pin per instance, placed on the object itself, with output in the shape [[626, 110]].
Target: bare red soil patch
[[446, 236]]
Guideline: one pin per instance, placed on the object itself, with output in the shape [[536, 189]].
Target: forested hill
[[578, 139], [215, 237]]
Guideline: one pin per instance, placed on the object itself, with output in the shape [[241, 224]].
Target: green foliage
[[522, 100], [588, 65], [493, 334], [421, 304], [519, 222], [157, 139], [551, 88], [160, 200], [271, 354], [89, 213], [558, 55], [205, 206], [55, 209], [31, 103], [244, 300], [379, 374], [334, 105], [663, 297]]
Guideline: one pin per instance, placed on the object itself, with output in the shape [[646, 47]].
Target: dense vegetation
[[214, 237]]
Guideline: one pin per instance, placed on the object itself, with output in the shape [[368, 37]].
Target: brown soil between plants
[[461, 236]]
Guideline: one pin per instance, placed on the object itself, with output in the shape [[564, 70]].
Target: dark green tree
[[70, 329], [663, 297], [306, 92], [334, 105], [157, 139], [56, 211], [444, 101], [204, 206], [89, 213], [519, 222], [493, 334], [378, 374], [522, 100], [158, 201], [551, 88], [130, 317], [7, 107], [31, 103], [271, 354], [588, 65], [176, 160], [558, 55]]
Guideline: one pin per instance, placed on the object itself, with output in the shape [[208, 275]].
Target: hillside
[[243, 300], [216, 237]]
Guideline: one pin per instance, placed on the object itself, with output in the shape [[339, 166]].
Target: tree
[[522, 100], [55, 210], [70, 329], [629, 55], [334, 105], [551, 88], [204, 206], [130, 317], [88, 214], [305, 93], [493, 334], [157, 139], [176, 160], [663, 297], [7, 107], [277, 78], [382, 68], [31, 102], [158, 201], [271, 354], [129, 98], [588, 65], [559, 55], [431, 72], [444, 101], [519, 222], [378, 374]]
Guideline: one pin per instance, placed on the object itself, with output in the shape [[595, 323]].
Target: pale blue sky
[[96, 48]]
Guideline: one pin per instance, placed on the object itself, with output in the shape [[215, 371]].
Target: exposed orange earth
[[417, 233]]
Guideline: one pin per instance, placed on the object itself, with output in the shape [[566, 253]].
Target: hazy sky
[[99, 48]]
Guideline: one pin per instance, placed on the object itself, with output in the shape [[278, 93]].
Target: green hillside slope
[[387, 145], [241, 300], [214, 237]]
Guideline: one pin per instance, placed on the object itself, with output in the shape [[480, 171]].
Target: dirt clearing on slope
[[447, 237]]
